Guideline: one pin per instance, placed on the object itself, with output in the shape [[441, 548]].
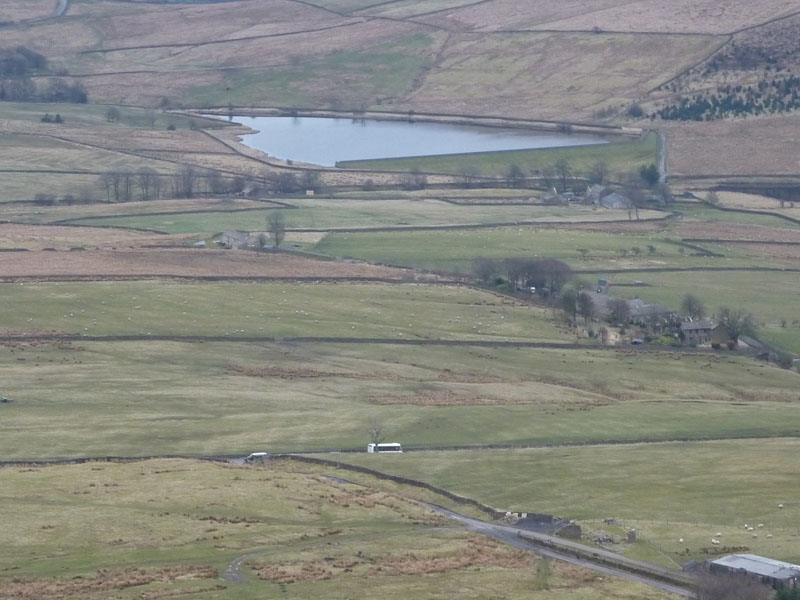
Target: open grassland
[[665, 491], [757, 202], [552, 75], [169, 527], [149, 397], [327, 214], [684, 16], [703, 217], [187, 263], [22, 10], [260, 310], [704, 17], [763, 146], [68, 158], [620, 157], [59, 213], [770, 296], [455, 250]]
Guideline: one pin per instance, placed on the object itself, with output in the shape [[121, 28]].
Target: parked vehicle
[[256, 457], [386, 447]]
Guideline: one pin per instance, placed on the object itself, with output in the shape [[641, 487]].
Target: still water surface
[[325, 141]]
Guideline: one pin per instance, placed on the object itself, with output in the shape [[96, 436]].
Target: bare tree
[[633, 189], [586, 307], [737, 322], [598, 173], [375, 430], [620, 310], [693, 307], [148, 181], [311, 180], [563, 171], [485, 269], [569, 304], [276, 226], [185, 181], [602, 334]]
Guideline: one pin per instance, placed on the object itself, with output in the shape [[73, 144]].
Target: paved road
[[509, 535]]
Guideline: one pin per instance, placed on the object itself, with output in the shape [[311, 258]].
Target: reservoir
[[325, 141]]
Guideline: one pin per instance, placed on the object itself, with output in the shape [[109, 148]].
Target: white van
[[391, 448], [256, 456]]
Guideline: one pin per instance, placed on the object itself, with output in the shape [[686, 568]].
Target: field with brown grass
[[171, 528], [124, 260], [756, 146], [22, 10]]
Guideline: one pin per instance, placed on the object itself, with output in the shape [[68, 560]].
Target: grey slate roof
[[766, 567]]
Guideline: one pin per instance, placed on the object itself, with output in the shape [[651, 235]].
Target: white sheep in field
[[718, 534], [715, 542], [680, 541], [760, 525], [780, 505], [755, 535], [769, 536]]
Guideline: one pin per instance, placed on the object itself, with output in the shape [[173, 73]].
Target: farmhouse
[[238, 240], [697, 333], [773, 572]]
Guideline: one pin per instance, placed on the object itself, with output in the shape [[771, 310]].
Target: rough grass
[[155, 398], [745, 289], [169, 528], [455, 250], [620, 157], [664, 491], [348, 213], [263, 310]]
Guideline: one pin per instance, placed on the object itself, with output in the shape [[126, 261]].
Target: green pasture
[[770, 296], [620, 157], [694, 491], [349, 213], [266, 310], [107, 529], [148, 398], [787, 338], [455, 250]]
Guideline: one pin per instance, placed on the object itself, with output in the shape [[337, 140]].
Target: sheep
[[769, 536], [760, 525], [715, 542], [680, 541], [718, 534], [780, 505], [755, 535]]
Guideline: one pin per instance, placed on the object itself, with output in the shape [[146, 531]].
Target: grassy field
[[664, 491], [736, 289], [166, 528], [349, 213], [455, 250], [260, 310], [149, 398], [620, 157]]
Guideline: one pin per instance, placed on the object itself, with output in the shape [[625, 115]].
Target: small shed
[[773, 572]]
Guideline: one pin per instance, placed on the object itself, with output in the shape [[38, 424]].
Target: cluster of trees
[[148, 184], [547, 275], [779, 95], [287, 182], [20, 60], [23, 89]]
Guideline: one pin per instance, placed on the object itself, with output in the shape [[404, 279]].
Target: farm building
[[238, 240], [773, 572], [697, 333]]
